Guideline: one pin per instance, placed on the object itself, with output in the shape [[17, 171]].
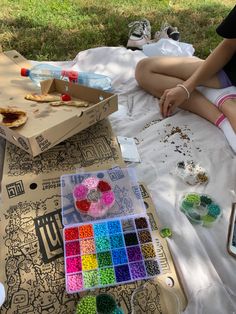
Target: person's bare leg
[[171, 67], [157, 74], [229, 110], [201, 106]]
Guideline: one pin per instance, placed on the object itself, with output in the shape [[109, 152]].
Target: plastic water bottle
[[43, 71]]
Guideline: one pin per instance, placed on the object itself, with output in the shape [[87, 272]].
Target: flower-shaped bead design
[[93, 197]]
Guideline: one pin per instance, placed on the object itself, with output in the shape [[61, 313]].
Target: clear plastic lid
[[200, 208], [100, 195]]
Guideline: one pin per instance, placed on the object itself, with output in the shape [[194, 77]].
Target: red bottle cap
[[24, 72], [72, 75]]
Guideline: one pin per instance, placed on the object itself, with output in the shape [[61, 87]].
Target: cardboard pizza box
[[25, 176], [32, 261], [46, 125]]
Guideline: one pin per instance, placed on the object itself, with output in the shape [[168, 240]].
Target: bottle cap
[[72, 75], [24, 72]]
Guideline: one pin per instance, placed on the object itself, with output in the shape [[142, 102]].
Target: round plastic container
[[93, 197], [200, 209]]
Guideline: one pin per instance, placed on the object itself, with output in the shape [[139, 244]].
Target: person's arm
[[176, 96], [214, 63]]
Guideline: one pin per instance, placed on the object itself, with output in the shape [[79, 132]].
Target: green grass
[[59, 29]]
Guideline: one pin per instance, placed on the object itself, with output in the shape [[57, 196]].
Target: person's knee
[[141, 70]]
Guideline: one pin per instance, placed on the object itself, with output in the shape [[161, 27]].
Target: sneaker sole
[[136, 44], [134, 48]]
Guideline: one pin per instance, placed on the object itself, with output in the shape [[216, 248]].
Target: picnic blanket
[[206, 269]]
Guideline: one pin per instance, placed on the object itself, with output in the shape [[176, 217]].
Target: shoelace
[[138, 28]]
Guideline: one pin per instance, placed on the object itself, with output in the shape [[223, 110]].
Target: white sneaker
[[139, 34], [167, 31]]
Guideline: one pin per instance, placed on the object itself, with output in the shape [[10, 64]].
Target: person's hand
[[171, 99]]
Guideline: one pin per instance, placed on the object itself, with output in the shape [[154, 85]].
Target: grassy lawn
[[59, 29]]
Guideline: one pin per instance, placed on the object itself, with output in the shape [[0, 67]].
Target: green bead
[[104, 259], [205, 200], [214, 210], [107, 276], [87, 305], [106, 304], [193, 198], [90, 278], [186, 205], [207, 220], [166, 232]]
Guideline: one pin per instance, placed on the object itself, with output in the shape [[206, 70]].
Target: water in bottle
[[43, 71]]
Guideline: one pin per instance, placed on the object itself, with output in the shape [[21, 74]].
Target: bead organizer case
[[100, 195], [109, 252], [107, 237], [200, 209]]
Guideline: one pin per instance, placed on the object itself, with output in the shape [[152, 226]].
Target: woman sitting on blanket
[[174, 80]]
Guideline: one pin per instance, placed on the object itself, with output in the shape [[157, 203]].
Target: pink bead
[[73, 264], [74, 282], [108, 199], [80, 192], [91, 182], [72, 248]]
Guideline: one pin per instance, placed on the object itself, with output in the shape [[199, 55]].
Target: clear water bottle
[[43, 71]]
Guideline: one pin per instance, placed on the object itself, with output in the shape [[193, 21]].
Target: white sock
[[218, 95], [223, 123]]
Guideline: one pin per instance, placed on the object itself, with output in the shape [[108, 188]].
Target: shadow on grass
[[107, 27]]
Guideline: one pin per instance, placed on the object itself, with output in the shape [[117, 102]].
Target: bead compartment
[[117, 256], [100, 195]]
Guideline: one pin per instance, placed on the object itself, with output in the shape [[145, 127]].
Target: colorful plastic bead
[[152, 267], [137, 270], [91, 278], [205, 200], [87, 305], [89, 262], [74, 282], [213, 210], [144, 236], [141, 223], [106, 304], [166, 233], [107, 276], [148, 250], [93, 197], [200, 209], [193, 198]]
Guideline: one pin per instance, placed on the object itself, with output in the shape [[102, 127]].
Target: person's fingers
[[161, 103], [168, 103], [166, 106], [170, 99], [164, 102], [169, 110]]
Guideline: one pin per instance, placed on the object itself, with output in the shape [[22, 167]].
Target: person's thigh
[[178, 67]]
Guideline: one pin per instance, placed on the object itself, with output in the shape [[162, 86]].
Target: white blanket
[[207, 271]]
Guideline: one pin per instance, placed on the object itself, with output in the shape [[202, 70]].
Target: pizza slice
[[43, 98], [12, 117], [73, 103]]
